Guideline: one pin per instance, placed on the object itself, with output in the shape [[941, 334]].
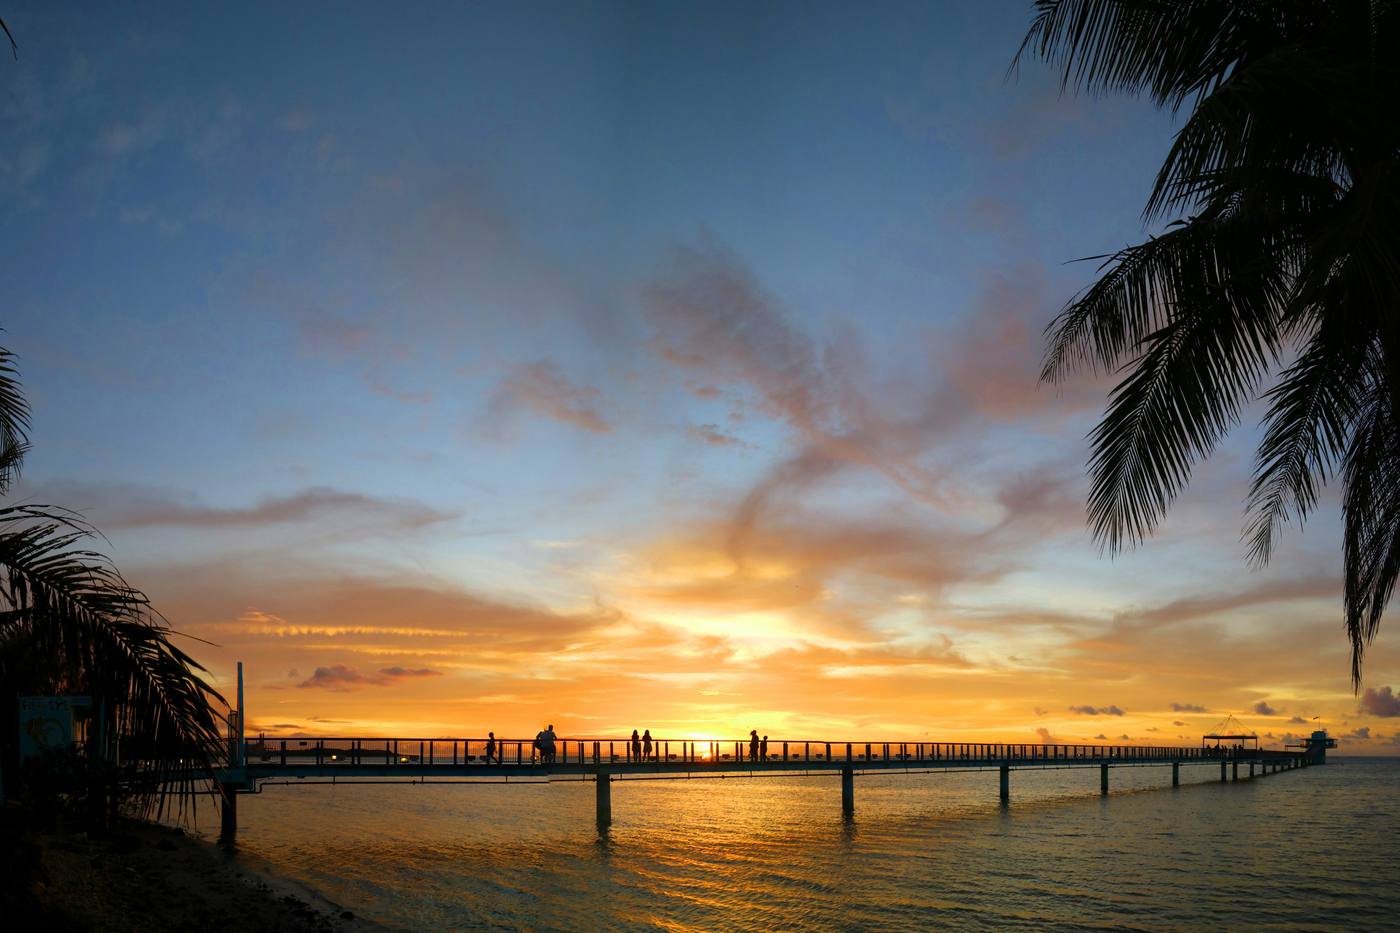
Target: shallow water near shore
[[1307, 849]]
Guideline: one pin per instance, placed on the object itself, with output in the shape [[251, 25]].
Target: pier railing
[[459, 752]]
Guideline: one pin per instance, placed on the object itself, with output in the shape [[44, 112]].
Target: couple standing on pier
[[641, 747], [544, 744], [758, 748]]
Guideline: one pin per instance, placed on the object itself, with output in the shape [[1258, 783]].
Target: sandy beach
[[148, 877]]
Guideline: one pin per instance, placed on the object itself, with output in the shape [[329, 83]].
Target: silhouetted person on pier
[[763, 749], [549, 739], [538, 747], [492, 748], [646, 745], [753, 745], [636, 746]]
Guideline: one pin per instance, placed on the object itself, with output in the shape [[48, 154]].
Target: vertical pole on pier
[[1176, 774], [1234, 770], [228, 812], [848, 793], [1103, 779], [1222, 772], [1251, 770], [604, 783], [239, 759], [1005, 784]]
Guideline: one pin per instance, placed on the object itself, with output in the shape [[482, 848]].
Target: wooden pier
[[350, 760], [357, 760]]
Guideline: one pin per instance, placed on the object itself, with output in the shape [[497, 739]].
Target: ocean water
[[1311, 849]]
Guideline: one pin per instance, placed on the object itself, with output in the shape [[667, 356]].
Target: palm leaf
[[1371, 518], [100, 636], [1289, 159], [1172, 49], [14, 421], [1307, 429]]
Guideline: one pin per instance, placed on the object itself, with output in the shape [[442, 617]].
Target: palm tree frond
[[14, 421], [1307, 428], [1120, 309], [101, 637], [1288, 167], [1371, 517], [1172, 50]]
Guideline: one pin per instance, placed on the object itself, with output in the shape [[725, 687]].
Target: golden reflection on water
[[774, 853]]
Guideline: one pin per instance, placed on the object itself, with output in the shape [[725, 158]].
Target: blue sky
[[588, 355]]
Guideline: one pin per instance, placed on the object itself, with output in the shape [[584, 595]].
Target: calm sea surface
[[1308, 849]]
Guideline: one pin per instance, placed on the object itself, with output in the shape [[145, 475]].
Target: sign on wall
[[48, 723]]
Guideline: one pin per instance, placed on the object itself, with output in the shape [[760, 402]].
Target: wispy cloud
[[541, 386], [1096, 711], [295, 120], [340, 677], [712, 317], [132, 506], [135, 135], [711, 435]]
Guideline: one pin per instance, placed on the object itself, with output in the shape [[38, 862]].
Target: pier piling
[[1005, 783], [228, 812], [1103, 779], [1176, 774], [848, 793], [604, 797]]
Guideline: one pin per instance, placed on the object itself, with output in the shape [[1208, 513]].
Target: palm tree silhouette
[[69, 624], [1278, 275]]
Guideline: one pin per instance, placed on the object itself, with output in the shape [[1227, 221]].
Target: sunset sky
[[645, 365]]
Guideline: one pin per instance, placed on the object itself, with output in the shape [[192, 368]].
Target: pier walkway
[[301, 759], [349, 760]]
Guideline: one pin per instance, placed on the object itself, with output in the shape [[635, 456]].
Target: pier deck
[[352, 760]]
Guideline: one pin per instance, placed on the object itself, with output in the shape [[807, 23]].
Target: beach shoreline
[[151, 877]]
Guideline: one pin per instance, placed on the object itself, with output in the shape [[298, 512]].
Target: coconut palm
[[69, 624], [1275, 275]]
